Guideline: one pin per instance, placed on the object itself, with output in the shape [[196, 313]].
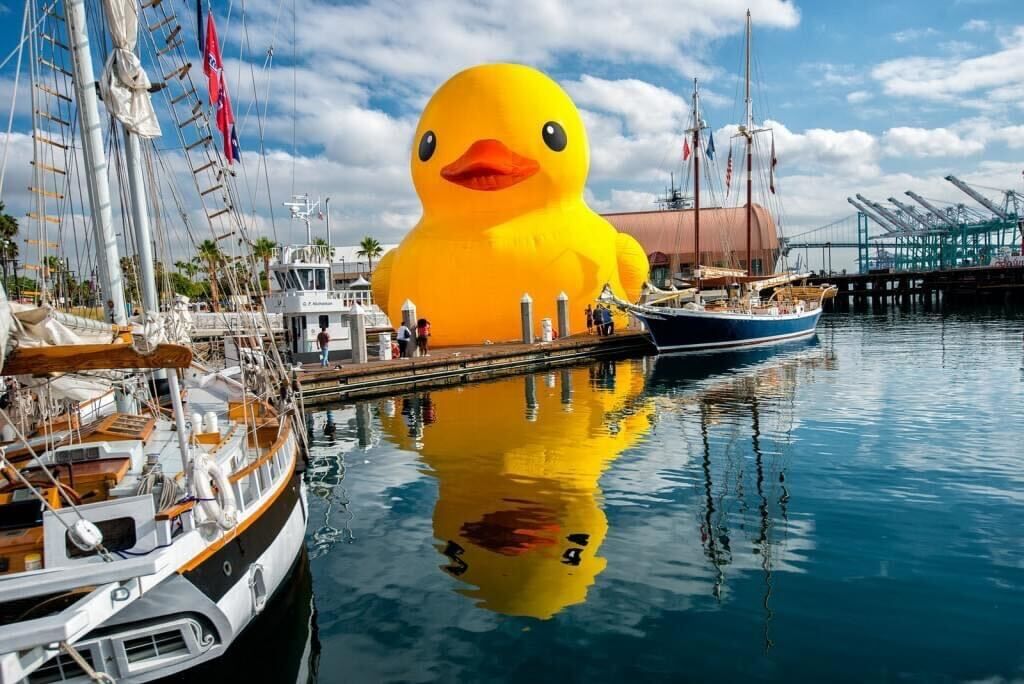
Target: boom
[[978, 197], [932, 208], [872, 215]]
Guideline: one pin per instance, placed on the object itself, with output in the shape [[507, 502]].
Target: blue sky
[[870, 97]]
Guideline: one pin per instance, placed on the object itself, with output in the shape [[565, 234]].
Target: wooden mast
[[750, 156], [696, 185]]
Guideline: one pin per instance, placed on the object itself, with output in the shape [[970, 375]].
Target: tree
[[208, 253], [369, 248], [8, 244], [130, 278], [187, 269], [320, 242], [264, 249]]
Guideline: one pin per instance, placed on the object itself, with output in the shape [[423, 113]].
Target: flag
[[728, 172], [686, 149], [711, 145], [771, 168], [213, 67]]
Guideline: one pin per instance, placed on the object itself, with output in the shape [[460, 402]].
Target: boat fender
[[220, 507]]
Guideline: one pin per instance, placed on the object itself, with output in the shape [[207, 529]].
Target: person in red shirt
[[422, 336], [324, 341]]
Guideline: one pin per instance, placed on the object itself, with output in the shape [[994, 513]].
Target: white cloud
[[644, 107], [858, 96], [824, 74], [975, 25], [908, 35], [922, 142], [953, 79]]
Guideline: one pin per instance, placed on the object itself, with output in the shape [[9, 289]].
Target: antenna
[[301, 208]]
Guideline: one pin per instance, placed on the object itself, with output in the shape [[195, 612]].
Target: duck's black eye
[[428, 143], [554, 136]]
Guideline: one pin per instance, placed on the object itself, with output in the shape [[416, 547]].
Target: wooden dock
[[926, 286], [457, 365]]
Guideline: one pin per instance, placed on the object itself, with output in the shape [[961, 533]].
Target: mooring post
[[530, 390], [409, 318], [526, 312], [357, 334], [563, 315]]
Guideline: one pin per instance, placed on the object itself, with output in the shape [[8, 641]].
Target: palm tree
[[264, 248], [208, 253], [369, 248], [187, 268], [8, 245], [320, 242]]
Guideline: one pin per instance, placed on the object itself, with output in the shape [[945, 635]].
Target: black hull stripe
[[210, 577]]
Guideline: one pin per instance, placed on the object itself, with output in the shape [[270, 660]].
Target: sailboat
[[139, 543], [743, 315]]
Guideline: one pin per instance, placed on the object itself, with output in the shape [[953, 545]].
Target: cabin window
[[293, 281], [323, 321], [306, 278], [321, 278], [281, 280]]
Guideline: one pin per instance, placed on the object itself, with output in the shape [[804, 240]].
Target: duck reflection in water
[[518, 516]]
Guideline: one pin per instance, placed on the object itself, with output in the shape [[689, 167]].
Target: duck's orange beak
[[489, 165]]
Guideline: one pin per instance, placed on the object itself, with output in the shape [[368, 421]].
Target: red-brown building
[[667, 238]]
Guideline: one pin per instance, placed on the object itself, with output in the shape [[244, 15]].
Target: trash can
[[384, 346], [546, 331]]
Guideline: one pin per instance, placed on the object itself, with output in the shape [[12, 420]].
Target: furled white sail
[[125, 85]]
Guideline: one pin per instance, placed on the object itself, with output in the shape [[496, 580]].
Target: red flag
[[213, 67], [728, 172], [686, 149], [771, 176]]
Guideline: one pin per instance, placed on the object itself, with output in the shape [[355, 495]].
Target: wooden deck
[[457, 365]]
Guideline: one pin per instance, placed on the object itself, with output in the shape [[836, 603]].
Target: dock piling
[[409, 318], [563, 315], [526, 313], [357, 333]]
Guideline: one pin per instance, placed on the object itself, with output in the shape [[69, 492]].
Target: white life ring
[[220, 507]]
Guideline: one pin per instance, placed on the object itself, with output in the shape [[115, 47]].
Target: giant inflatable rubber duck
[[518, 519], [499, 161]]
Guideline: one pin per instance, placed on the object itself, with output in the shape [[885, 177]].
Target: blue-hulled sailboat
[[739, 314]]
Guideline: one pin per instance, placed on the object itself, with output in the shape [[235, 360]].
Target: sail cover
[[125, 85]]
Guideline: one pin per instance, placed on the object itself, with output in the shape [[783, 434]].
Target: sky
[[869, 97]]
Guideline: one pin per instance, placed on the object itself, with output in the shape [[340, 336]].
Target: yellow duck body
[[499, 161], [518, 516]]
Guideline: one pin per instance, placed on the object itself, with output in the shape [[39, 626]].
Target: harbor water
[[848, 508]]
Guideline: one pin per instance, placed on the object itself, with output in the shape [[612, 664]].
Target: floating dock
[[456, 365], [905, 286]]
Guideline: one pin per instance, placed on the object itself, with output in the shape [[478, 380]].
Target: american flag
[[728, 173]]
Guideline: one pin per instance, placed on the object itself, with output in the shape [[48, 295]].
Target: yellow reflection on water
[[518, 517]]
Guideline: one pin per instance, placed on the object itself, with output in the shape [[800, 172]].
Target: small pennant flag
[[771, 175], [686, 149], [711, 146], [728, 173]]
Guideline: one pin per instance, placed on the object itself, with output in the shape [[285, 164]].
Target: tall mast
[[750, 155], [95, 160], [696, 183]]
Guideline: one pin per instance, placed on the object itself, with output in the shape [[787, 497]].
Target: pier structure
[[883, 286]]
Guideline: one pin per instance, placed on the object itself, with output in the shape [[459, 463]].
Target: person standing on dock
[[590, 319], [324, 340], [403, 335], [422, 336]]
